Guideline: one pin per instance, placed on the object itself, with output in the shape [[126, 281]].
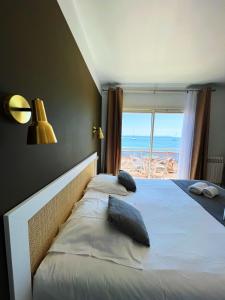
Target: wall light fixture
[[40, 131], [98, 131]]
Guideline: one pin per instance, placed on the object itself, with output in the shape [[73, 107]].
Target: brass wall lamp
[[40, 131], [98, 131]]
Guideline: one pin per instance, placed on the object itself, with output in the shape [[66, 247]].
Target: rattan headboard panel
[[43, 226]]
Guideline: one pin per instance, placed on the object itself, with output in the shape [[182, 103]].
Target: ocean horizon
[[160, 143]]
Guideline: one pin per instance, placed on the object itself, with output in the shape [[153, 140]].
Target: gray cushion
[[128, 220], [127, 181]]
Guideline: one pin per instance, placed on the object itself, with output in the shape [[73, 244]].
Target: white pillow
[[107, 184], [87, 232]]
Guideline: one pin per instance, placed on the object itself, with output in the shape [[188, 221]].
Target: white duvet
[[186, 259], [88, 232]]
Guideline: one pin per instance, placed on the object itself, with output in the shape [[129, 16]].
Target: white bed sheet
[[186, 259]]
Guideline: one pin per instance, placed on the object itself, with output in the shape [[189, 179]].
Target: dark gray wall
[[39, 58]]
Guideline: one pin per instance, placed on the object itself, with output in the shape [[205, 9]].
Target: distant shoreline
[[161, 144], [169, 150], [156, 136]]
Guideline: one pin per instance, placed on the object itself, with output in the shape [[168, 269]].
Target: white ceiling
[[150, 41]]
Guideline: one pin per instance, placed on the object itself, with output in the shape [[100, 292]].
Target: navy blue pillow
[[127, 181], [128, 220]]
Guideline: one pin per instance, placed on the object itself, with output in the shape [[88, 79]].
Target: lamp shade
[[100, 133], [40, 131]]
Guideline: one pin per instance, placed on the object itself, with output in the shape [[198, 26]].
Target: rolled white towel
[[210, 191], [197, 187]]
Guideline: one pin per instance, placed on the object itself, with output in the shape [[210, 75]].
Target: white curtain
[[184, 166]]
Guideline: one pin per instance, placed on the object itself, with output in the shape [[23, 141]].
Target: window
[[150, 143]]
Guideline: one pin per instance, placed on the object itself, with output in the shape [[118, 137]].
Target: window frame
[[153, 111]]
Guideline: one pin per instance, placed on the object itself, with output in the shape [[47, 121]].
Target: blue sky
[[169, 124]]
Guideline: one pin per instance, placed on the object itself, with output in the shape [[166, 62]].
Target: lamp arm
[[20, 109]]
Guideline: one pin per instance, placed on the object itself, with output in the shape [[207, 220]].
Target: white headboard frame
[[17, 233]]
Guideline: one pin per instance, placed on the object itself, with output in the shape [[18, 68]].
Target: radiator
[[215, 169]]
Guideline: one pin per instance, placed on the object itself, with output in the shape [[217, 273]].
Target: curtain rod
[[159, 90]]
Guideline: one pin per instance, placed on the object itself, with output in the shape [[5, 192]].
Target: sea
[[161, 144]]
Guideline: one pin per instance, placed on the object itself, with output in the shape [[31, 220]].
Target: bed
[[186, 259]]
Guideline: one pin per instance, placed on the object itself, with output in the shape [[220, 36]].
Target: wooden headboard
[[31, 226]]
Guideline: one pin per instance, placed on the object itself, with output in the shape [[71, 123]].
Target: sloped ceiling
[[150, 41]]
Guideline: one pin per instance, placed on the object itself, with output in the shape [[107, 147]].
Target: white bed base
[[17, 235]]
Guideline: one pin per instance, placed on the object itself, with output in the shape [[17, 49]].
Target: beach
[[140, 161]]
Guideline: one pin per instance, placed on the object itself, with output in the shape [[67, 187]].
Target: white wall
[[217, 123], [159, 100]]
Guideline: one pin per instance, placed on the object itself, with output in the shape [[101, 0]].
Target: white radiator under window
[[215, 169]]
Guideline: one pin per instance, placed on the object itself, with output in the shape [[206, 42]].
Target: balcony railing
[[141, 163]]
